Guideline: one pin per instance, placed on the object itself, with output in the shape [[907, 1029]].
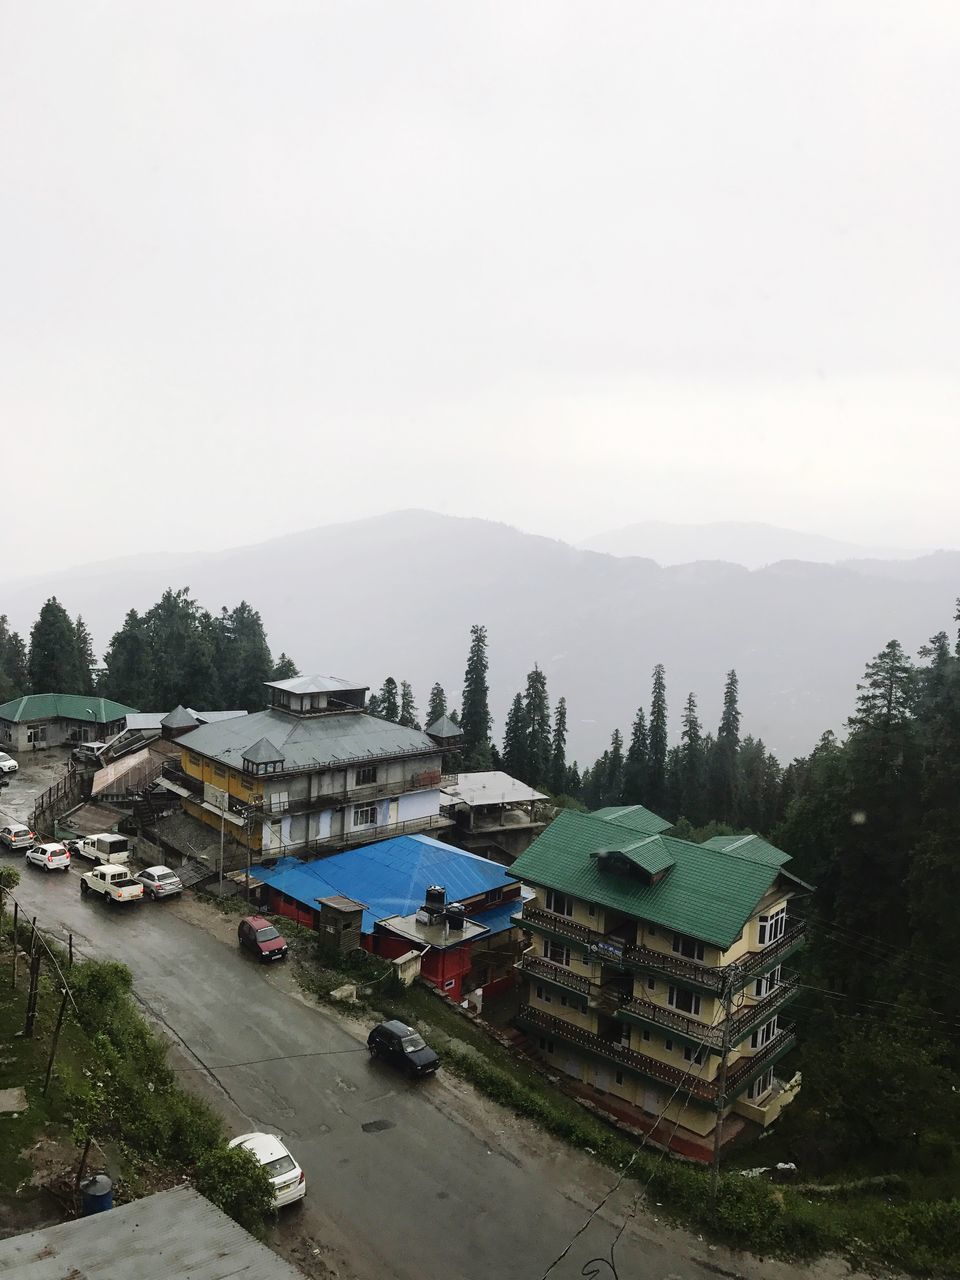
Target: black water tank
[[436, 897], [456, 913]]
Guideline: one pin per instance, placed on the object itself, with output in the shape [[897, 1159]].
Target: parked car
[[403, 1047], [7, 763], [159, 882], [16, 836], [115, 884], [52, 857], [289, 1180], [105, 846], [258, 935], [88, 752]]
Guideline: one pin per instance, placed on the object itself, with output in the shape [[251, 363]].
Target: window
[[693, 1055], [449, 984], [559, 903], [619, 1077], [546, 1045], [689, 947], [545, 996], [668, 1045], [219, 770], [685, 1001], [495, 895], [772, 926], [645, 1033], [651, 984], [279, 800], [37, 734], [591, 910], [625, 1035], [573, 1002], [366, 775], [761, 1084], [763, 1035], [364, 815], [195, 759], [556, 952], [767, 983]]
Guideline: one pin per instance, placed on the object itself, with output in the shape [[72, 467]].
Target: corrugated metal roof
[[444, 728], [634, 817], [491, 787], [307, 742], [63, 706], [263, 752], [178, 718], [315, 684], [389, 878], [172, 1235], [750, 846], [706, 893]]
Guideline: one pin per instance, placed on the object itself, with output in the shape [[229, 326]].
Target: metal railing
[[538, 967], [694, 1029]]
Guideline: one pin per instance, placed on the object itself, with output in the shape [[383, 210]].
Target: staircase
[[149, 804]]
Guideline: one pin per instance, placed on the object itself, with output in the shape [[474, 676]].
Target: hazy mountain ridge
[[397, 594], [750, 544]]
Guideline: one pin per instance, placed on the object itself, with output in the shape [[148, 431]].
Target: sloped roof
[[308, 742], [649, 854], [706, 894], [390, 877], [444, 727], [178, 718], [262, 752], [749, 846], [63, 706], [634, 817], [314, 684], [491, 786]]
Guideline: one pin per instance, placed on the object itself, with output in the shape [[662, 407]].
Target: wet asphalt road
[[406, 1181]]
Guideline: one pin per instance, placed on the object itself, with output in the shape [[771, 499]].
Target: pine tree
[[691, 766], [559, 774], [637, 763], [129, 665], [389, 700], [408, 709], [536, 706], [437, 707], [244, 663], [656, 788], [724, 784], [55, 664], [373, 704], [613, 779], [514, 755], [284, 668], [475, 719], [86, 655], [14, 681]]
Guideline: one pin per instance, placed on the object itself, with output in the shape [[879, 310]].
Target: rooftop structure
[[497, 816], [634, 817], [40, 720]]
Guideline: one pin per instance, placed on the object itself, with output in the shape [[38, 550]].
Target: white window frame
[[694, 1055], [364, 808], [771, 926], [551, 947], [767, 982], [763, 1035], [673, 997], [561, 904], [762, 1085], [689, 948]]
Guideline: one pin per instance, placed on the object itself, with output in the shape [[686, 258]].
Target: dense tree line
[[175, 652]]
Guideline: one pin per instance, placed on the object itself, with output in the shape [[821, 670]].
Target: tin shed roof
[[63, 706], [634, 817], [135, 1242]]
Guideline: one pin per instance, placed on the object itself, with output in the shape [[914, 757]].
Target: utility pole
[[16, 950], [56, 1038], [729, 979], [222, 812], [32, 995]]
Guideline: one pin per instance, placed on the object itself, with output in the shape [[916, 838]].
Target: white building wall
[[418, 804]]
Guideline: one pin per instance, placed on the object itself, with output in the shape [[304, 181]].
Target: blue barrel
[[96, 1194]]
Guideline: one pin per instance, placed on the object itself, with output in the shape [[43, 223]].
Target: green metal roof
[[706, 894], [749, 846], [63, 706], [648, 854], [634, 817]]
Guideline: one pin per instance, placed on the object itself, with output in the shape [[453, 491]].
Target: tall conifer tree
[[475, 719]]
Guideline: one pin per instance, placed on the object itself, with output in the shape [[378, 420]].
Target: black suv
[[404, 1047]]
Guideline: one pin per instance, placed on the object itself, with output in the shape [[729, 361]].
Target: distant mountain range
[[751, 545], [397, 594]]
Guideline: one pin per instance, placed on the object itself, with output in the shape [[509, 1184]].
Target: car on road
[[16, 836], [114, 884], [400, 1045], [7, 763], [159, 882], [289, 1180], [88, 752], [257, 934], [52, 857]]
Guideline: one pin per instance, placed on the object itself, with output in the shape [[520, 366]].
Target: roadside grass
[[915, 1226]]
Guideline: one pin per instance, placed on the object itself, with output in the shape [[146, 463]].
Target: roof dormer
[[316, 695]]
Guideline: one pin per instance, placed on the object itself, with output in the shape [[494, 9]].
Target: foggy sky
[[269, 265]]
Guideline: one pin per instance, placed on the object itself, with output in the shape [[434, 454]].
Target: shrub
[[235, 1181]]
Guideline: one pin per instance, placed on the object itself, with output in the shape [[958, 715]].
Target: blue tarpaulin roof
[[390, 877]]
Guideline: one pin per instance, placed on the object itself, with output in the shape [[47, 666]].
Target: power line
[[281, 1057]]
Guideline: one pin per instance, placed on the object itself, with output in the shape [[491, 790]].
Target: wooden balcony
[[744, 1020], [739, 1074], [538, 967]]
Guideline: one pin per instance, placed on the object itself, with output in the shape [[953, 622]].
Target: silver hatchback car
[[159, 882]]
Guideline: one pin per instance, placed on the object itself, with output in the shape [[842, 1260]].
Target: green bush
[[234, 1180], [923, 1236]]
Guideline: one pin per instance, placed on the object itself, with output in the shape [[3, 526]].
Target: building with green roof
[[654, 973], [40, 720]]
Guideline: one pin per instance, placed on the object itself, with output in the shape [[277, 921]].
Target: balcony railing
[[560, 925], [538, 967], [738, 1075], [741, 1023], [757, 960]]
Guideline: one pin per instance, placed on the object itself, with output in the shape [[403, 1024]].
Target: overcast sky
[[268, 265]]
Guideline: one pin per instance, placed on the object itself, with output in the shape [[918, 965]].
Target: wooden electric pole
[[32, 995], [729, 978], [56, 1038]]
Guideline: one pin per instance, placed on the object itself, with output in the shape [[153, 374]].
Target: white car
[[7, 763], [52, 857], [289, 1180], [159, 882], [16, 836]]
